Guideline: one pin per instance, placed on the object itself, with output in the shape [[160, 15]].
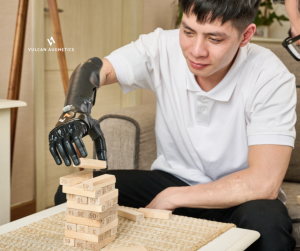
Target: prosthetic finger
[[53, 151], [70, 150], [63, 152], [101, 151]]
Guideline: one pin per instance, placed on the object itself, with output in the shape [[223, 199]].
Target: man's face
[[208, 48], [294, 16]]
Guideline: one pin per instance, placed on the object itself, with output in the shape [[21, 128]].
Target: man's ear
[[247, 34]]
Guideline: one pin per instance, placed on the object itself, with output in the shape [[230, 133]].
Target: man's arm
[[107, 73], [262, 180]]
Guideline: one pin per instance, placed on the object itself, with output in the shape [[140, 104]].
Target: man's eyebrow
[[216, 34], [187, 27]]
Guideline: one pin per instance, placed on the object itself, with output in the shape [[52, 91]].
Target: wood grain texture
[[87, 207], [130, 214], [22, 210], [156, 213], [80, 243], [101, 244], [69, 241], [75, 178], [92, 184], [91, 163]]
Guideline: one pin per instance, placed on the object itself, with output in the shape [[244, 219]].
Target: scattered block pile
[[92, 210]]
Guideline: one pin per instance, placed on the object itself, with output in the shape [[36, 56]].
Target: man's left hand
[[168, 199]]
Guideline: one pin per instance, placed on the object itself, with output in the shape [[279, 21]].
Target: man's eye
[[188, 33], [216, 40]]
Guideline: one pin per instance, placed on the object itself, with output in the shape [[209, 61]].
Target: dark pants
[[269, 217]]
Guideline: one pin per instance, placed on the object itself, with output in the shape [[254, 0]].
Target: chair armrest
[[130, 137]]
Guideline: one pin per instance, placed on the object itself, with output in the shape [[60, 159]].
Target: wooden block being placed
[[70, 226], [91, 163], [90, 237], [75, 178], [91, 184], [130, 214], [133, 248], [155, 213], [82, 229], [87, 207], [78, 190], [80, 243], [298, 199], [81, 199], [69, 242], [97, 246], [71, 197]]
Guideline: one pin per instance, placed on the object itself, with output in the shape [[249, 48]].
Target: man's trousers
[[270, 218]]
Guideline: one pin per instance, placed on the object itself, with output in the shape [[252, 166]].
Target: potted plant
[[265, 17]]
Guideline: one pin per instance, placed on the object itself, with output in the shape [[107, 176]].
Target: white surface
[[235, 239], [6, 103], [5, 106]]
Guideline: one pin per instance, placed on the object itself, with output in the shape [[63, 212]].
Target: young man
[[224, 124]]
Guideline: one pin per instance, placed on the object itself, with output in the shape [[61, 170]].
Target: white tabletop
[[235, 239], [6, 103]]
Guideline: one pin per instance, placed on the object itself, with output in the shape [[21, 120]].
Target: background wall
[[276, 30]]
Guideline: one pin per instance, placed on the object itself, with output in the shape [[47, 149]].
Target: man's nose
[[199, 49]]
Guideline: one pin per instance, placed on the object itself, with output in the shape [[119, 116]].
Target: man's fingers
[[54, 153], [63, 153], [70, 150]]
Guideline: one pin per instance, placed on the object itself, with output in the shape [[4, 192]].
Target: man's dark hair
[[240, 12], [283, 1]]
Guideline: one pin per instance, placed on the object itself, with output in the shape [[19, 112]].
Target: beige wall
[[277, 31], [22, 187]]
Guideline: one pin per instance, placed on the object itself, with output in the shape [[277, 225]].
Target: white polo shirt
[[204, 136]]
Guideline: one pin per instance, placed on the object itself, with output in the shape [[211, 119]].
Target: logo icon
[[51, 39]]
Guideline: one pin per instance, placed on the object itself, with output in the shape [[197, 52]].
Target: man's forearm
[[107, 73], [229, 191]]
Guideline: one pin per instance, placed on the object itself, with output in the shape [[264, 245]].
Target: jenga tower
[[92, 210]]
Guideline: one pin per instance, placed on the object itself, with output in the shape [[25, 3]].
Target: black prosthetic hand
[[76, 121]]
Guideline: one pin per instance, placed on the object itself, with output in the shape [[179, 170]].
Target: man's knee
[[270, 218]]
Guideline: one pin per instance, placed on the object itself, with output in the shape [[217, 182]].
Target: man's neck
[[210, 82]]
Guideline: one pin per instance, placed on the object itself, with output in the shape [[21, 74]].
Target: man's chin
[[201, 73]]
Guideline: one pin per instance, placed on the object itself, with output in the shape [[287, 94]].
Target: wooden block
[[75, 178], [298, 199], [111, 187], [114, 230], [70, 226], [94, 230], [71, 211], [155, 213], [130, 214], [81, 213], [71, 197], [90, 237], [133, 248], [80, 243], [78, 190], [69, 242], [92, 183], [81, 199], [101, 244], [105, 198], [87, 207], [107, 234], [91, 163], [103, 230], [86, 222], [82, 229]]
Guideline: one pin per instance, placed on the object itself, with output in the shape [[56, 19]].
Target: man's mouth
[[197, 65]]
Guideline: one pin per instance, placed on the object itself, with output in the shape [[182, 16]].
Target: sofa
[[131, 144]]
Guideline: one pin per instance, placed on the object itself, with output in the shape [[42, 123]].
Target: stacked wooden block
[[92, 210]]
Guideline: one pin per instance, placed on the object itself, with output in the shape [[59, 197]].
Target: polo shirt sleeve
[[137, 64], [272, 115]]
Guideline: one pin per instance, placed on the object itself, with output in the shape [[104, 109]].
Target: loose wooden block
[[87, 207], [155, 213], [71, 211], [298, 199], [82, 229], [90, 237], [71, 197], [91, 163], [75, 178], [69, 242], [92, 183], [132, 248], [70, 226], [101, 244], [86, 222], [130, 214], [81, 199], [80, 243], [78, 190]]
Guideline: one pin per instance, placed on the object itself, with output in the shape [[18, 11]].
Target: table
[[235, 239], [5, 106]]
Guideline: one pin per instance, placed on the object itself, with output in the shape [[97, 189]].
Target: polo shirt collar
[[224, 90]]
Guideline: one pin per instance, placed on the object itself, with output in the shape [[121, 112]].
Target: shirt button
[[201, 98]]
